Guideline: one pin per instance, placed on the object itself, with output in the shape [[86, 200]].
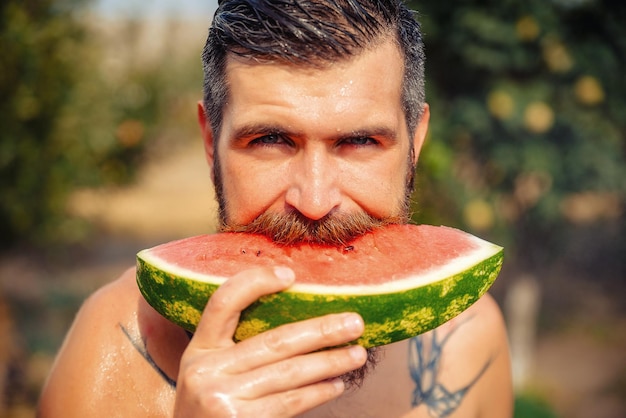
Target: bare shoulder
[[462, 369], [101, 359], [113, 301], [459, 370], [483, 319], [90, 351]]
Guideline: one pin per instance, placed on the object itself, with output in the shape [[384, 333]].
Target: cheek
[[249, 190], [379, 189]]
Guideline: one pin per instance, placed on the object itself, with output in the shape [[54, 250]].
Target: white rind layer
[[457, 265]]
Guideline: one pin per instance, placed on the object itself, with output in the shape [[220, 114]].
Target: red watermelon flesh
[[425, 273], [374, 258]]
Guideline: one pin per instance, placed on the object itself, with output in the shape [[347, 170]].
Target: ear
[[420, 132], [207, 136]]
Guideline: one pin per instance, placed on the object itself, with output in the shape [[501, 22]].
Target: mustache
[[293, 228]]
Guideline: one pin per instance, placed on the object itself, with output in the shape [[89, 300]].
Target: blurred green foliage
[[55, 118], [69, 118], [530, 406], [527, 141]]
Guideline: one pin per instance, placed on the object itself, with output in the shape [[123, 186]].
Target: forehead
[[365, 88]]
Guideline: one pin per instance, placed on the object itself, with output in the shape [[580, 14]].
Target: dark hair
[[310, 32]]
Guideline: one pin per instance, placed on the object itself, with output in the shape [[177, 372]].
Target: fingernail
[[338, 384], [353, 323], [357, 353], [285, 274]]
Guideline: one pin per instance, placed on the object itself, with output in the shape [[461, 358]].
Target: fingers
[[284, 389], [221, 315], [298, 401], [280, 405], [301, 371], [222, 312], [297, 338]]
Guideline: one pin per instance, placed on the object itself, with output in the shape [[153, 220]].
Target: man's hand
[[279, 373]]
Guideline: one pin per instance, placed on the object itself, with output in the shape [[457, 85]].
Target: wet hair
[[310, 33]]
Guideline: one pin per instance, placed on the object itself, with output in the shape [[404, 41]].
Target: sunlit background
[[100, 157]]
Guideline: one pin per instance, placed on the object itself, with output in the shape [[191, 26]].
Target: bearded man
[[313, 119]]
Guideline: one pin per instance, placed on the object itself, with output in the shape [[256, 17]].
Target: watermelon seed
[[258, 253]]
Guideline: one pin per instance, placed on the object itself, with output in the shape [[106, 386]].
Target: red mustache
[[293, 228]]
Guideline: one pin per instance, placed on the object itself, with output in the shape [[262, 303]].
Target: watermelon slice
[[402, 279]]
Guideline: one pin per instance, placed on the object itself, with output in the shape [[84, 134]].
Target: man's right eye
[[271, 139]]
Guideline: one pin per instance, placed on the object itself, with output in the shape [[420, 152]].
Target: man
[[313, 119]]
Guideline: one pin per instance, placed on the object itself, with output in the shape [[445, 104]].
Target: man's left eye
[[360, 140]]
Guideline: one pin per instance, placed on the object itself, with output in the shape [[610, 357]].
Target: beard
[[293, 228]]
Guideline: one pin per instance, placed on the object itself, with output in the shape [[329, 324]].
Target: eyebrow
[[257, 129], [373, 132]]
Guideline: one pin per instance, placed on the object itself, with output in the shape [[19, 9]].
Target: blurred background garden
[[100, 157]]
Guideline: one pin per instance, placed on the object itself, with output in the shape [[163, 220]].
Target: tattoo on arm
[[424, 359], [142, 348]]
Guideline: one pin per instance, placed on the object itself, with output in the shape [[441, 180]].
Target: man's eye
[[271, 139], [360, 141]]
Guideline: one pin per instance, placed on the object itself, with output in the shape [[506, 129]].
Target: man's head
[[254, 46], [308, 34]]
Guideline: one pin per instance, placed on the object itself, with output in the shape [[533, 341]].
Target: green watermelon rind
[[388, 317]]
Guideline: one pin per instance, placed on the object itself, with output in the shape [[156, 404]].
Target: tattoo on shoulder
[[141, 346], [425, 352]]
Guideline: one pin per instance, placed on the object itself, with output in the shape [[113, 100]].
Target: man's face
[[315, 150], [317, 142]]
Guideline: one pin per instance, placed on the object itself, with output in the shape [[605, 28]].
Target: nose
[[313, 188]]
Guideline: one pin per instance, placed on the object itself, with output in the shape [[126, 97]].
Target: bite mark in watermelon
[[403, 280]]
